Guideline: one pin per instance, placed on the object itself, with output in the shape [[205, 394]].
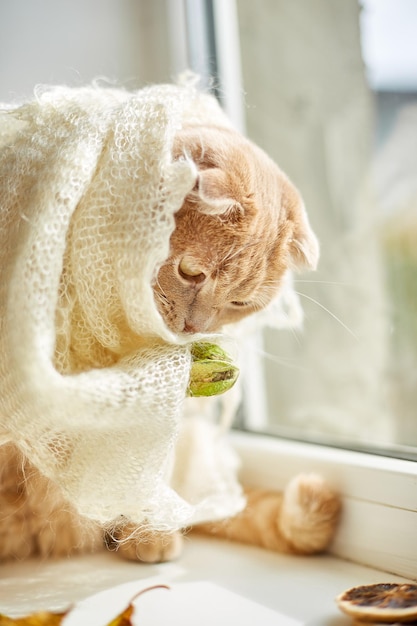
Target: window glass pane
[[331, 95]]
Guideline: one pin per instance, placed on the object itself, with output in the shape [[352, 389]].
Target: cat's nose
[[190, 328]]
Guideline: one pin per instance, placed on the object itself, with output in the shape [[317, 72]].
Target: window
[[343, 124], [341, 392], [330, 92]]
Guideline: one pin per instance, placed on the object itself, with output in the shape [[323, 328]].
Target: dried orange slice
[[383, 602]]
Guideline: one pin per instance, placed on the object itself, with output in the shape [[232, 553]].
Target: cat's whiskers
[[163, 299], [296, 334], [234, 252], [333, 315], [323, 282], [161, 296], [284, 361], [230, 254], [160, 291]]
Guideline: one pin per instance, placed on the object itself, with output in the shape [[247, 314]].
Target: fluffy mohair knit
[[92, 382]]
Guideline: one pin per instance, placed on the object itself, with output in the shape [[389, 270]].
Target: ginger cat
[[237, 233]]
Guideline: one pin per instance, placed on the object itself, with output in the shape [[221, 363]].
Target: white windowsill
[[379, 520], [379, 497], [301, 588]]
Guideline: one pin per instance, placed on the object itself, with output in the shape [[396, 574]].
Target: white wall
[[74, 41]]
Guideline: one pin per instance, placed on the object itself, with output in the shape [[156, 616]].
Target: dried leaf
[[43, 618], [124, 618]]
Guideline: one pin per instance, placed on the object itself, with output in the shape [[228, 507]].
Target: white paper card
[[183, 604]]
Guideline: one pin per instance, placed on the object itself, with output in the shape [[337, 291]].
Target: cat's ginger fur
[[236, 235], [36, 520]]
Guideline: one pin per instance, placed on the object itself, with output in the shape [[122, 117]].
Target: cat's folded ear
[[214, 192], [303, 245], [305, 250]]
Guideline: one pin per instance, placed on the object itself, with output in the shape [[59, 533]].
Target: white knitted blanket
[[91, 380]]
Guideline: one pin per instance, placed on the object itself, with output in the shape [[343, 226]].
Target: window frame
[[379, 493]]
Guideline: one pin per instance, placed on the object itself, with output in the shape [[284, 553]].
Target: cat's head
[[240, 229]]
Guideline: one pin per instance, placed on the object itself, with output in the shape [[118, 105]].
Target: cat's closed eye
[[239, 304]]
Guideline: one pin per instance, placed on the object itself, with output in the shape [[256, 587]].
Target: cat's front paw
[[310, 513], [148, 547]]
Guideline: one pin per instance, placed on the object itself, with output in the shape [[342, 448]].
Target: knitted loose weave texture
[[91, 380]]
